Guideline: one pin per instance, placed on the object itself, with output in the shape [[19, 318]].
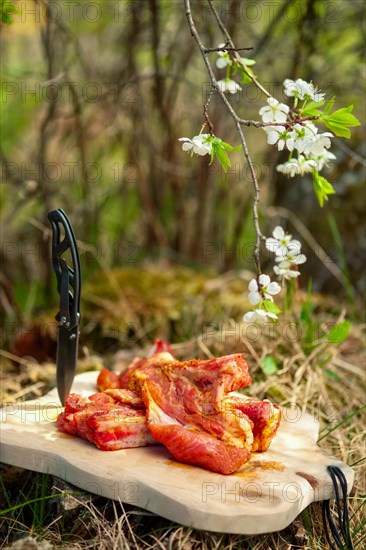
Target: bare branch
[[238, 122], [231, 44], [226, 49]]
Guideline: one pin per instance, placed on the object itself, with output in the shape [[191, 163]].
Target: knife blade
[[67, 351], [69, 288]]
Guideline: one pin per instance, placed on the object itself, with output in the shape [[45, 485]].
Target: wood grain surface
[[265, 495]]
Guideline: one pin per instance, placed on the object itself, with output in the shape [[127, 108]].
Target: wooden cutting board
[[265, 495]]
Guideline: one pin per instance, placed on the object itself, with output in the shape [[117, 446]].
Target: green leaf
[[305, 313], [245, 79], [322, 188], [7, 9], [219, 149], [230, 147], [212, 155], [312, 108], [221, 156], [344, 117], [271, 307], [339, 332], [340, 131], [269, 365], [247, 62], [339, 121], [329, 106], [325, 358], [332, 375]]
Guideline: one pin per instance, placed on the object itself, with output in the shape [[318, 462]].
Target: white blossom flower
[[263, 288], [290, 168], [285, 272], [223, 59], [318, 145], [275, 111], [299, 166], [303, 90], [292, 256], [259, 316], [323, 159], [277, 135], [200, 145], [279, 239], [301, 137], [228, 85], [281, 242]]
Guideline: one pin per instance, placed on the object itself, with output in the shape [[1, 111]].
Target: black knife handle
[[68, 278]]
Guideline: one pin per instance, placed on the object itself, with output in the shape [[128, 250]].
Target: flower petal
[[284, 271], [272, 244], [281, 252], [248, 317], [273, 288], [272, 137], [271, 315], [278, 232], [294, 246], [187, 146], [221, 62], [283, 263], [253, 286], [201, 151], [264, 279], [260, 313], [300, 259], [254, 298]]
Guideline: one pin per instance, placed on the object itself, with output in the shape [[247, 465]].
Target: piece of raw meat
[[200, 385], [108, 379], [184, 410], [191, 407], [265, 417], [112, 420]]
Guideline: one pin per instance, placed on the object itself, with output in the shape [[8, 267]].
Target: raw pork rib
[[192, 407], [265, 417], [184, 410], [107, 379], [112, 420]]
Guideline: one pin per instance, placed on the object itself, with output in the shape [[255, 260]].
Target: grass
[[325, 378]]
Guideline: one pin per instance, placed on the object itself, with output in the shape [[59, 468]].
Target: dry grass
[[326, 379]]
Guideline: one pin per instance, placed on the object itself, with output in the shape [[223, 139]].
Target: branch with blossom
[[295, 130], [291, 127]]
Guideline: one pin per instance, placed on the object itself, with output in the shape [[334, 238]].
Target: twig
[[205, 112], [16, 358], [232, 46], [226, 49], [238, 123]]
